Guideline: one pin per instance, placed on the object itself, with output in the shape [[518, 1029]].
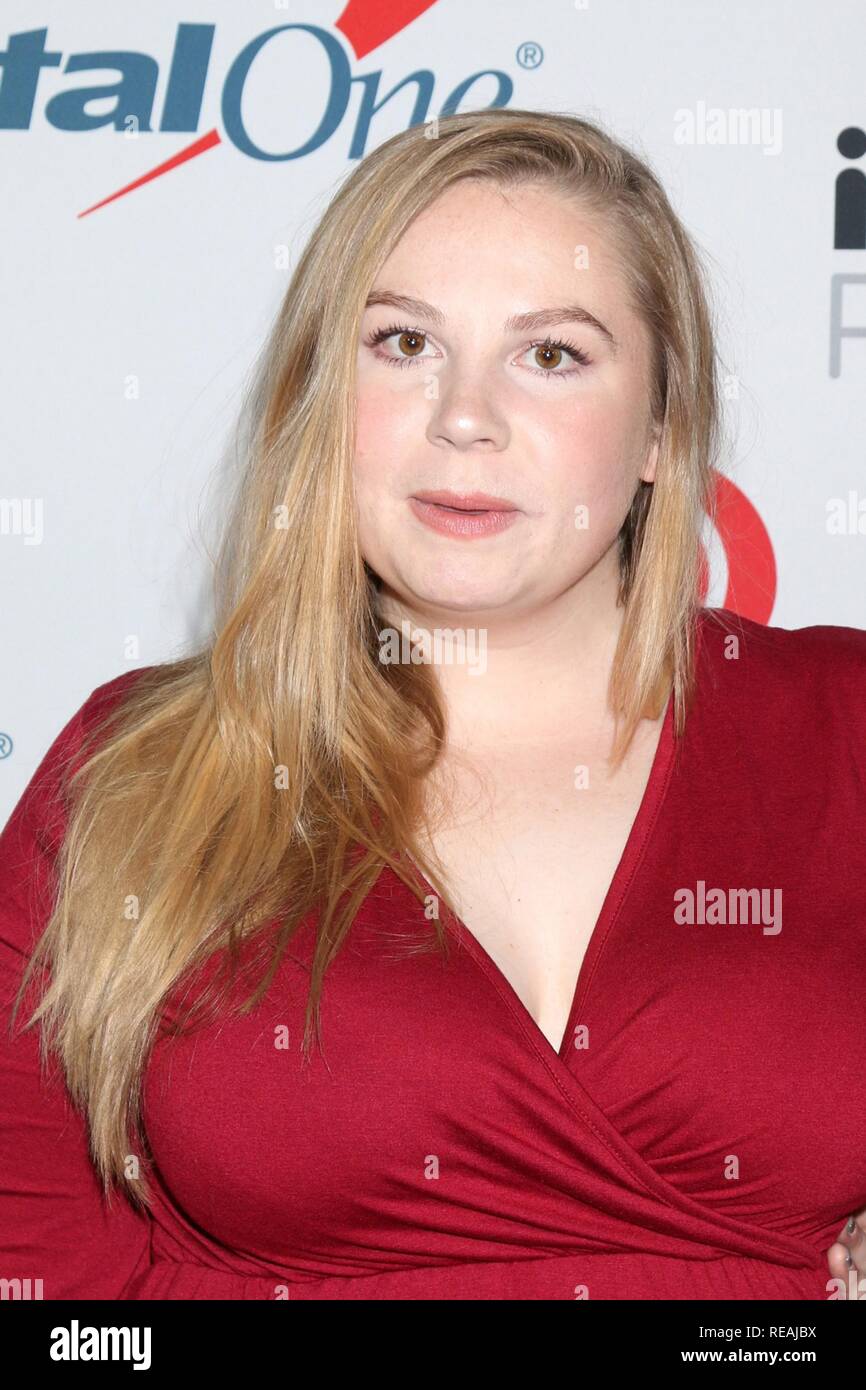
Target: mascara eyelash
[[576, 353], [381, 334]]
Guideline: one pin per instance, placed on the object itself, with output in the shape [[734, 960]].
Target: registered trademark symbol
[[5, 745], [530, 55]]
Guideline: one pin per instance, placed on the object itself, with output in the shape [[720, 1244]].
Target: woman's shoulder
[[33, 833], [810, 676], [43, 794], [827, 651], [74, 742], [110, 694]]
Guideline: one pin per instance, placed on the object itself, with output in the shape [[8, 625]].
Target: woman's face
[[462, 398]]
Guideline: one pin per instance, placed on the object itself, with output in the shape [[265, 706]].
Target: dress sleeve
[[55, 1224]]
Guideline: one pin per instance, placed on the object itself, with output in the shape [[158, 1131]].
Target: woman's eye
[[555, 358], [409, 344]]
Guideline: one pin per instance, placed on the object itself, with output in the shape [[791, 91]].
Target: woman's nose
[[466, 413]]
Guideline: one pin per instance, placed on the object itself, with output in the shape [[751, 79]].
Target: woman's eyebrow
[[518, 323]]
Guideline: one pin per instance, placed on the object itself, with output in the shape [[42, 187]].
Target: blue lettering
[[135, 92], [187, 76], [22, 63], [23, 60], [338, 96], [369, 106], [506, 90]]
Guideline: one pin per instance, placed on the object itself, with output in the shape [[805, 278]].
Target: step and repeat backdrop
[[163, 166]]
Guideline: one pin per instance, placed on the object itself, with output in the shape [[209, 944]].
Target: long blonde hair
[[279, 769]]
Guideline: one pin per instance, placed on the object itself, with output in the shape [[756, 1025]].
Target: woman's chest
[[437, 1123], [530, 866], [718, 1053], [532, 895]]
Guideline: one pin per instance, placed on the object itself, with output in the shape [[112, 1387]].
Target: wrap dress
[[699, 1134]]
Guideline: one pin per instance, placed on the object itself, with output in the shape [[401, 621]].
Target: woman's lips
[[466, 515]]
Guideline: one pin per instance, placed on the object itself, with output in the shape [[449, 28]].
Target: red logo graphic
[[751, 590]]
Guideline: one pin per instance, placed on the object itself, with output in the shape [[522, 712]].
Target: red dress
[[700, 1134]]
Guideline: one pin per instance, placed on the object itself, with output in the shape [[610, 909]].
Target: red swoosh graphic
[[748, 550], [206, 142], [367, 23], [364, 23]]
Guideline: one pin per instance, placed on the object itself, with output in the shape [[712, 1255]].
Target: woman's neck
[[544, 671]]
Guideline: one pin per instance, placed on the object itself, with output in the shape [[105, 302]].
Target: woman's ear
[[648, 472]]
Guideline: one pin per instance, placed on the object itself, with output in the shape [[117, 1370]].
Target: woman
[[376, 976]]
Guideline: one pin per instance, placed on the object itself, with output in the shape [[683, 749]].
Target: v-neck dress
[[700, 1133]]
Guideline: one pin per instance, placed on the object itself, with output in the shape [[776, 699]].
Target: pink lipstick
[[464, 514]]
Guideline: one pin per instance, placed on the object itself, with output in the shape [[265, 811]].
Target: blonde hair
[[178, 800]]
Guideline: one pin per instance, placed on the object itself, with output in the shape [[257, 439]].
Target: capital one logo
[[364, 24]]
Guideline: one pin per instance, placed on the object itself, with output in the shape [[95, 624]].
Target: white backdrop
[[130, 332]]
